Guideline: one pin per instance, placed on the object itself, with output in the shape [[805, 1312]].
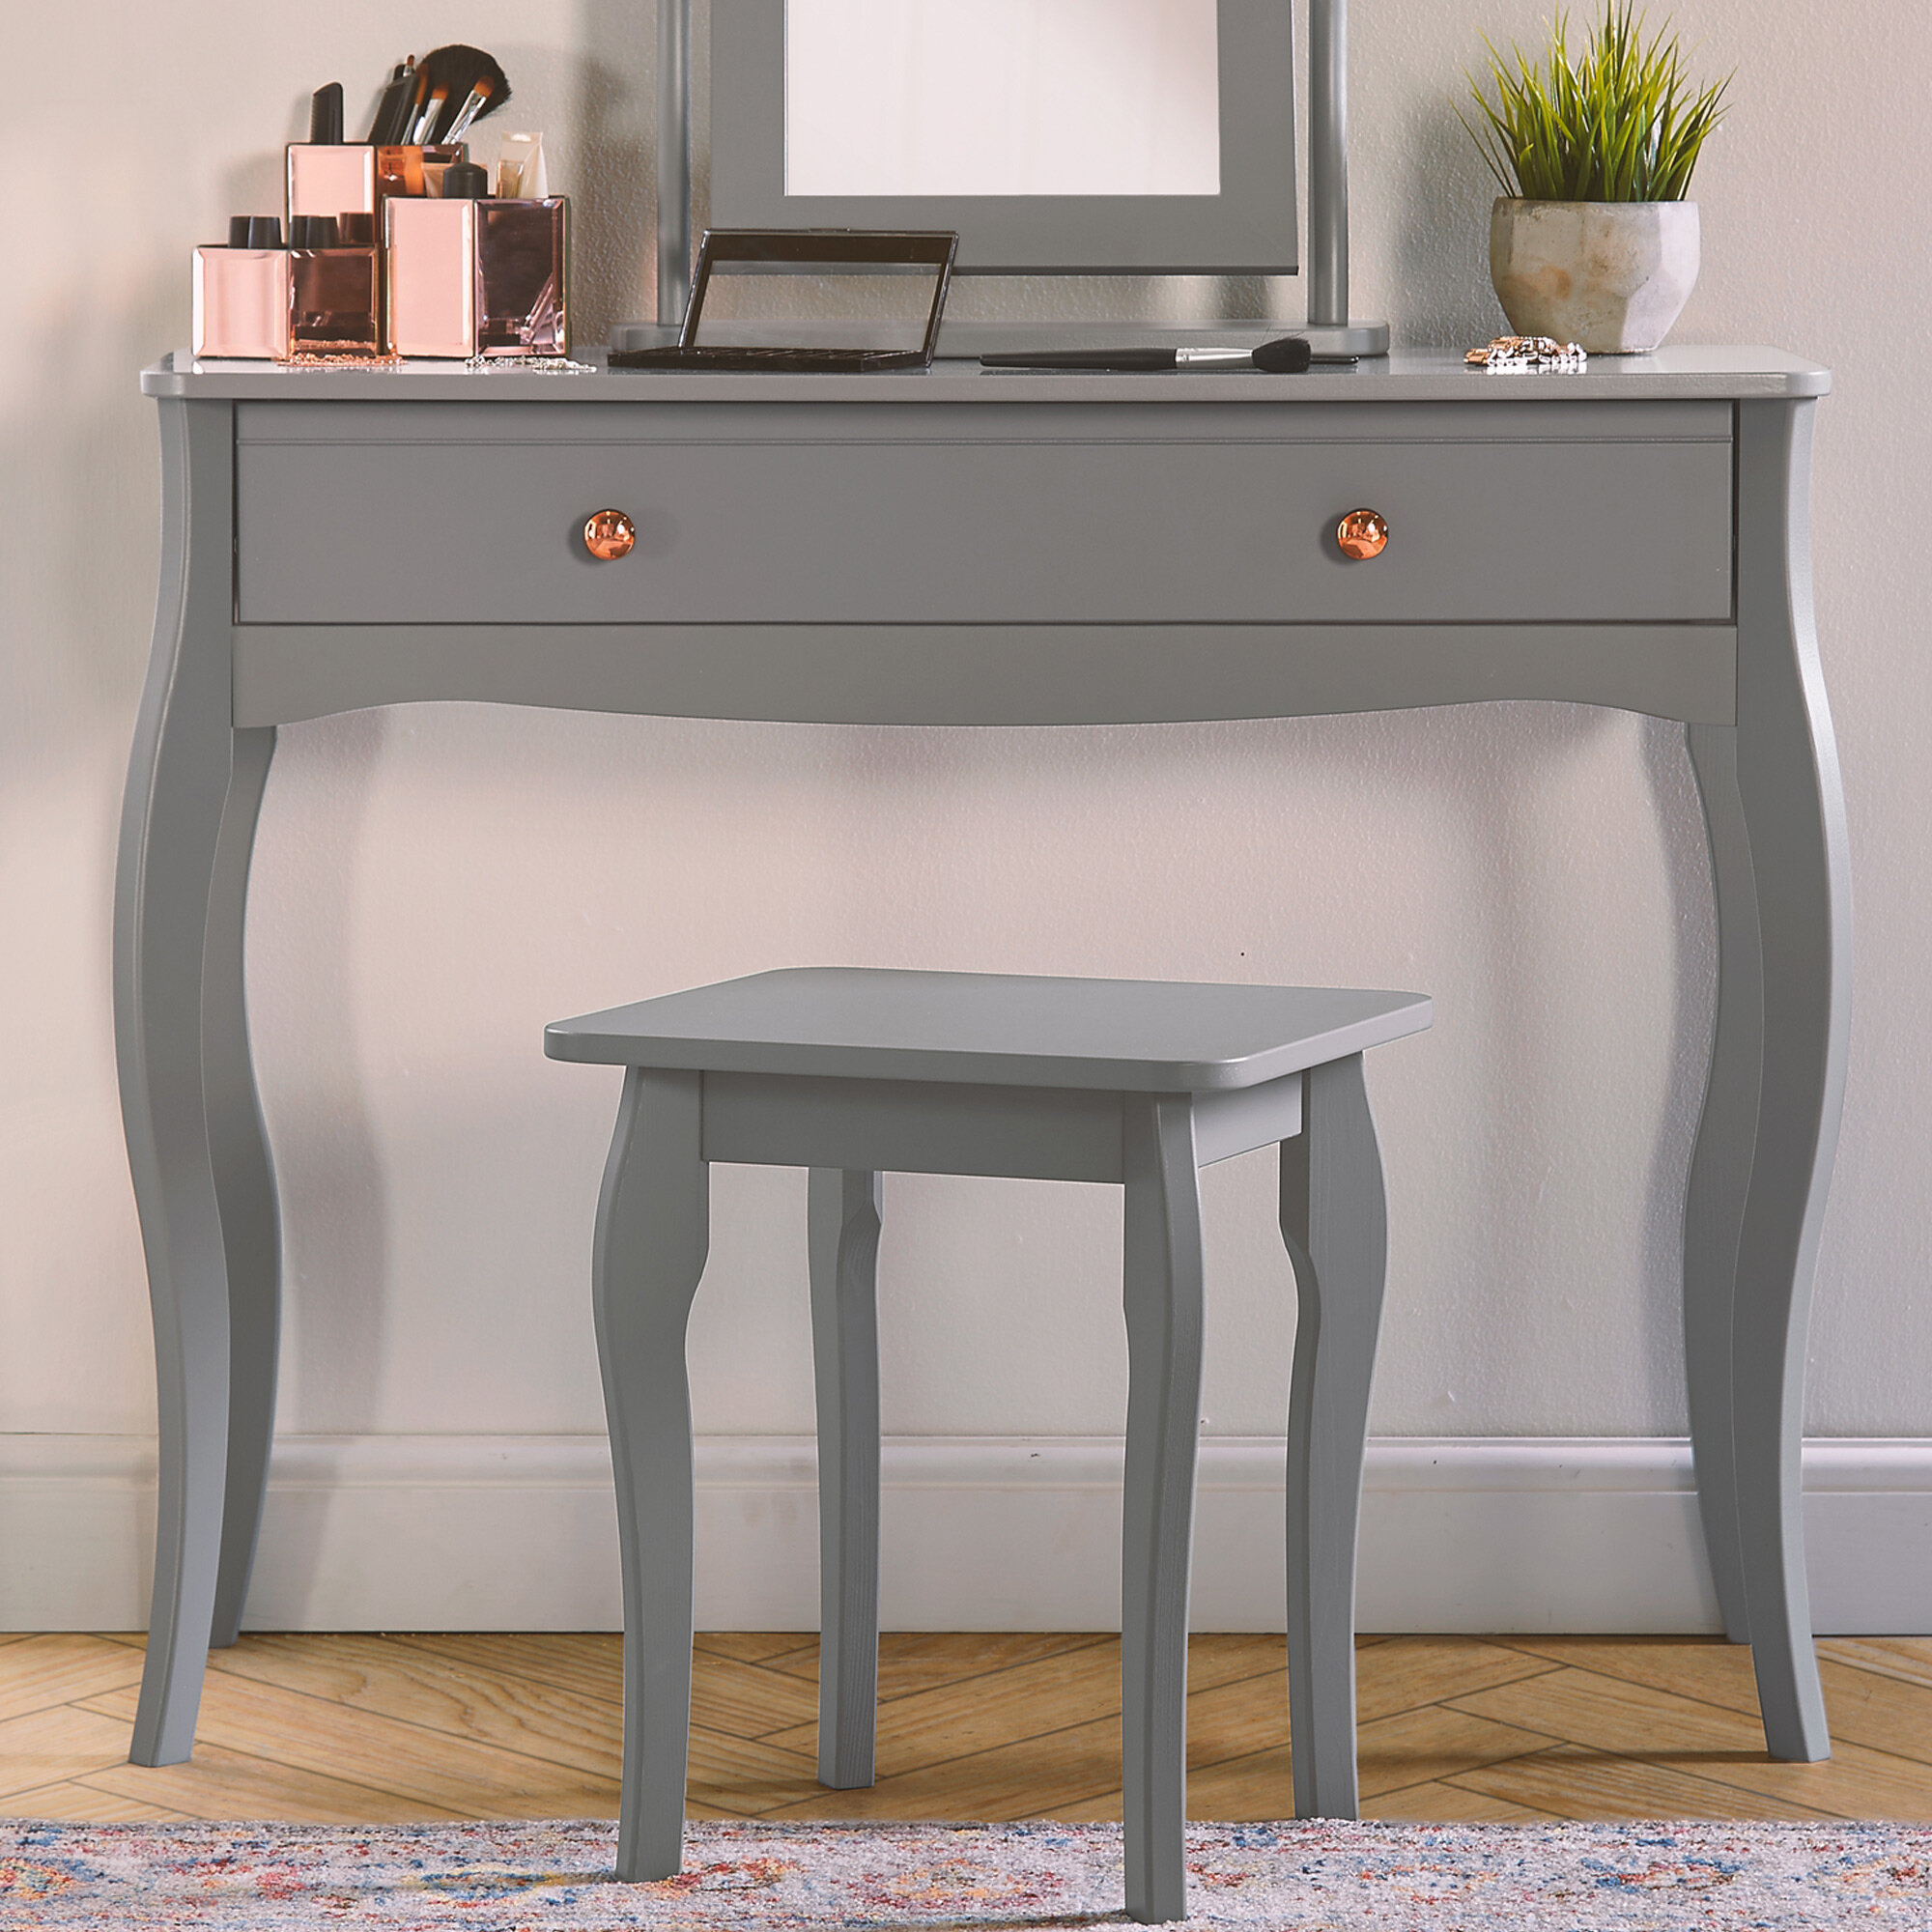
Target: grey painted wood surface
[[203, 1184], [1774, 804], [993, 1028], [1720, 1168], [1748, 686], [984, 673], [916, 413], [1687, 373], [927, 1126], [245, 1187], [653, 1234], [842, 1212], [739, 1041], [1025, 1133], [1163, 1296], [1334, 1223], [1044, 530]]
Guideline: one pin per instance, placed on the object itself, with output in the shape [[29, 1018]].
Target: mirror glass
[[1002, 97], [855, 305]]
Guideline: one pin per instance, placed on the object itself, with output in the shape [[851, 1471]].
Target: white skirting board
[[980, 1533]]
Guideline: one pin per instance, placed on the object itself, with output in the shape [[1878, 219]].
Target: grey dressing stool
[[849, 1072]]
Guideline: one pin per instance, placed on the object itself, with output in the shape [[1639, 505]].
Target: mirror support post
[[1329, 331], [674, 160], [1329, 163]]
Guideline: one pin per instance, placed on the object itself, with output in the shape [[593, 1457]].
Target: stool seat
[[853, 1072], [1122, 1035]]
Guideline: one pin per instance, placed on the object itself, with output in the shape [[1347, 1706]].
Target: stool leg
[[1162, 1294], [652, 1235], [1334, 1221], [843, 1221]]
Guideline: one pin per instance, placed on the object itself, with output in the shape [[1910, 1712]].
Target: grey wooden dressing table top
[[1669, 375], [1133, 1036]]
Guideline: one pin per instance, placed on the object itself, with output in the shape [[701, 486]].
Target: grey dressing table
[[959, 548]]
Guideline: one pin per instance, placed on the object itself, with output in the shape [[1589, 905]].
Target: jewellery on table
[[1508, 354]]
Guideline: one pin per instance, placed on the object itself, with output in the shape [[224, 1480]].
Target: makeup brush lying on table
[[1285, 356]]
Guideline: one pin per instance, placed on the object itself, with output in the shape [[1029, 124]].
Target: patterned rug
[[1320, 1875]]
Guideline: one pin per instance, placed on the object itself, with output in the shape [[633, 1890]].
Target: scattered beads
[[543, 365], [1508, 354]]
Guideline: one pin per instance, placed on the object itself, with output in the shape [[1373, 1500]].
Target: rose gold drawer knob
[[1362, 534], [608, 535]]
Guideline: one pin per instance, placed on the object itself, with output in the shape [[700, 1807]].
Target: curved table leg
[[843, 1220], [653, 1232], [186, 818], [1334, 1222], [1720, 1167], [1776, 806], [1163, 1300], [245, 1187]]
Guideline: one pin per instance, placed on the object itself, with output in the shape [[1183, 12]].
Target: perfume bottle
[[335, 291], [241, 292], [326, 176], [432, 267], [523, 277]]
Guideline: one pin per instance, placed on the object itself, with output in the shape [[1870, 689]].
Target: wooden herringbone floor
[[365, 1729]]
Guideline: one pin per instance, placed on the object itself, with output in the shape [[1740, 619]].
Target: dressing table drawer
[[977, 530]]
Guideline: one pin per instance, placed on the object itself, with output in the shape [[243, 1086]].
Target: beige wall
[[434, 883]]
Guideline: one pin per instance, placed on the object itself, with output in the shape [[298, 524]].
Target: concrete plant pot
[[1610, 275]]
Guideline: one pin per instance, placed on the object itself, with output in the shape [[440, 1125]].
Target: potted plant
[[1592, 240]]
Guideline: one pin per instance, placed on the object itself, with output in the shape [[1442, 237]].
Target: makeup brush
[[392, 109], [426, 116], [474, 105], [408, 105], [1285, 356], [457, 71]]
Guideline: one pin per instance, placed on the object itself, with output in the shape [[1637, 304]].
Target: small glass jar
[[336, 287], [241, 292], [522, 277]]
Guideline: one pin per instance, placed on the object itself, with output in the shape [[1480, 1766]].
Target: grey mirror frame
[[1249, 228]]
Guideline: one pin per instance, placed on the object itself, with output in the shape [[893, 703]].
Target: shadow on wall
[[1687, 859], [616, 185], [1440, 246], [613, 189], [304, 1018], [80, 518]]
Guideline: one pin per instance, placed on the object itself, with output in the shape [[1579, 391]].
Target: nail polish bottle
[[326, 176], [523, 277], [337, 293], [432, 267], [241, 292]]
